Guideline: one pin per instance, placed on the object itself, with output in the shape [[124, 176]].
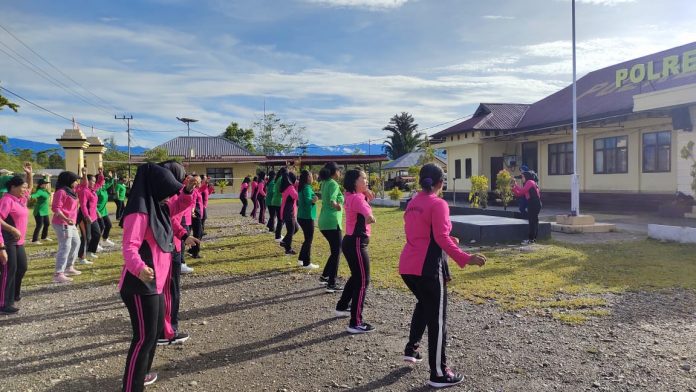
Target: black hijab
[[152, 184], [65, 181]]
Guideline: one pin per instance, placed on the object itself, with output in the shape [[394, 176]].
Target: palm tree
[[405, 137]]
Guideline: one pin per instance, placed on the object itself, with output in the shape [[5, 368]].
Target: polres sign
[[670, 65]]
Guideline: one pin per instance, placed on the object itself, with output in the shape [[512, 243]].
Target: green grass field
[[560, 280]]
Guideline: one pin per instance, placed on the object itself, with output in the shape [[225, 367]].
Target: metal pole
[[129, 139], [575, 180]]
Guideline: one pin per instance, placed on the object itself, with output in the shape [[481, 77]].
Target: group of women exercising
[[155, 236]]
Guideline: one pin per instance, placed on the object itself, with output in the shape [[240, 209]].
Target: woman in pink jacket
[[65, 205], [423, 267], [530, 191], [13, 259], [87, 214], [261, 197], [148, 243]]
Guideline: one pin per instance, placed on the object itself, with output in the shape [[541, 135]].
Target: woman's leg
[[46, 223], [73, 245], [144, 312], [360, 268], [84, 239], [107, 227], [262, 211], [419, 320], [64, 244], [21, 270], [290, 232], [94, 236], [271, 218], [7, 280], [307, 226], [39, 223], [334, 238]]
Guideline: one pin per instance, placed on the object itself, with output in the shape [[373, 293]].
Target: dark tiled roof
[[203, 146], [489, 116], [598, 96], [407, 160]]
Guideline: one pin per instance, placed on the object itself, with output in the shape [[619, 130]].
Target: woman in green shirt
[[330, 222], [306, 214], [269, 201], [120, 198], [41, 208]]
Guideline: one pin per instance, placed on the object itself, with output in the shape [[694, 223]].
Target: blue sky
[[341, 68]]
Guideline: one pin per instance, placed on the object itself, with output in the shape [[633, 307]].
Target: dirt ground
[[275, 331]]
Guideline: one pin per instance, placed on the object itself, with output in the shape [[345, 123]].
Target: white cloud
[[498, 17], [367, 4], [606, 2]]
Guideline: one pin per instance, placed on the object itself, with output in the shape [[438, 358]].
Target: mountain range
[[14, 143]]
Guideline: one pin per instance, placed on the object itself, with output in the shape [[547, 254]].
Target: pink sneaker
[[72, 271], [60, 277], [150, 379]]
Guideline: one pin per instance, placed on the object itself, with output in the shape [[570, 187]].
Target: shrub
[[478, 196], [395, 194], [222, 184], [503, 187], [687, 152]]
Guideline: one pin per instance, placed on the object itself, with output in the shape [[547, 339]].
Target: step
[[577, 229]]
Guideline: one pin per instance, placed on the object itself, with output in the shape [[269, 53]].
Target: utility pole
[[129, 139]]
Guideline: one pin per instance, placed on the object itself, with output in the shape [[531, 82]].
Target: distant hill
[[39, 146], [344, 149]]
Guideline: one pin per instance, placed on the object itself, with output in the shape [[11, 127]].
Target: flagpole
[[575, 180]]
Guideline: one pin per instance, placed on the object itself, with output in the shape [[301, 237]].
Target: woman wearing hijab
[[148, 243], [64, 207]]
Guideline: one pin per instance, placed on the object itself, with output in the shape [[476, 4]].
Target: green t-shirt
[[3, 184], [121, 192], [42, 197], [329, 218], [270, 191], [103, 197], [277, 195], [306, 209]]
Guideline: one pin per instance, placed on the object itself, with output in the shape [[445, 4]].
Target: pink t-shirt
[[13, 210], [289, 196], [357, 209], [66, 204], [428, 226], [88, 197]]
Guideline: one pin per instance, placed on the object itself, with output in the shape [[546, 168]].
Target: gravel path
[[275, 331]]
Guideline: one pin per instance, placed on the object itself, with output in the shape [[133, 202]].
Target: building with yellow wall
[[633, 120]]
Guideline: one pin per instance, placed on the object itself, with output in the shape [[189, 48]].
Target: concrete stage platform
[[491, 230]]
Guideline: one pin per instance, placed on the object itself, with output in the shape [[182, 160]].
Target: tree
[[274, 137], [115, 159], [41, 157], [405, 137], [158, 154], [55, 161], [24, 154], [6, 102], [243, 137]]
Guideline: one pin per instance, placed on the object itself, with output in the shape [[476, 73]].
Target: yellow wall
[[634, 181], [239, 171]]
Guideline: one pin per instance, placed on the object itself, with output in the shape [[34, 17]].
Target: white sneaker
[[100, 248], [185, 269], [36, 242], [109, 242], [525, 242], [310, 266], [84, 261], [342, 313], [47, 239], [93, 255], [278, 240]]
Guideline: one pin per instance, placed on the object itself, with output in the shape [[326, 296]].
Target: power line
[[56, 68], [54, 113], [45, 75]]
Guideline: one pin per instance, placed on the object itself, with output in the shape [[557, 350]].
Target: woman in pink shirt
[[254, 201], [148, 243], [13, 259], [87, 214], [243, 193], [288, 209], [64, 207], [358, 220], [423, 267], [530, 191], [261, 197]]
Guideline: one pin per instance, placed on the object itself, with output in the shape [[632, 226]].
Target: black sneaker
[[332, 288], [180, 338], [447, 380], [18, 298], [412, 355], [323, 280], [163, 342], [290, 252], [9, 310], [362, 328]]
